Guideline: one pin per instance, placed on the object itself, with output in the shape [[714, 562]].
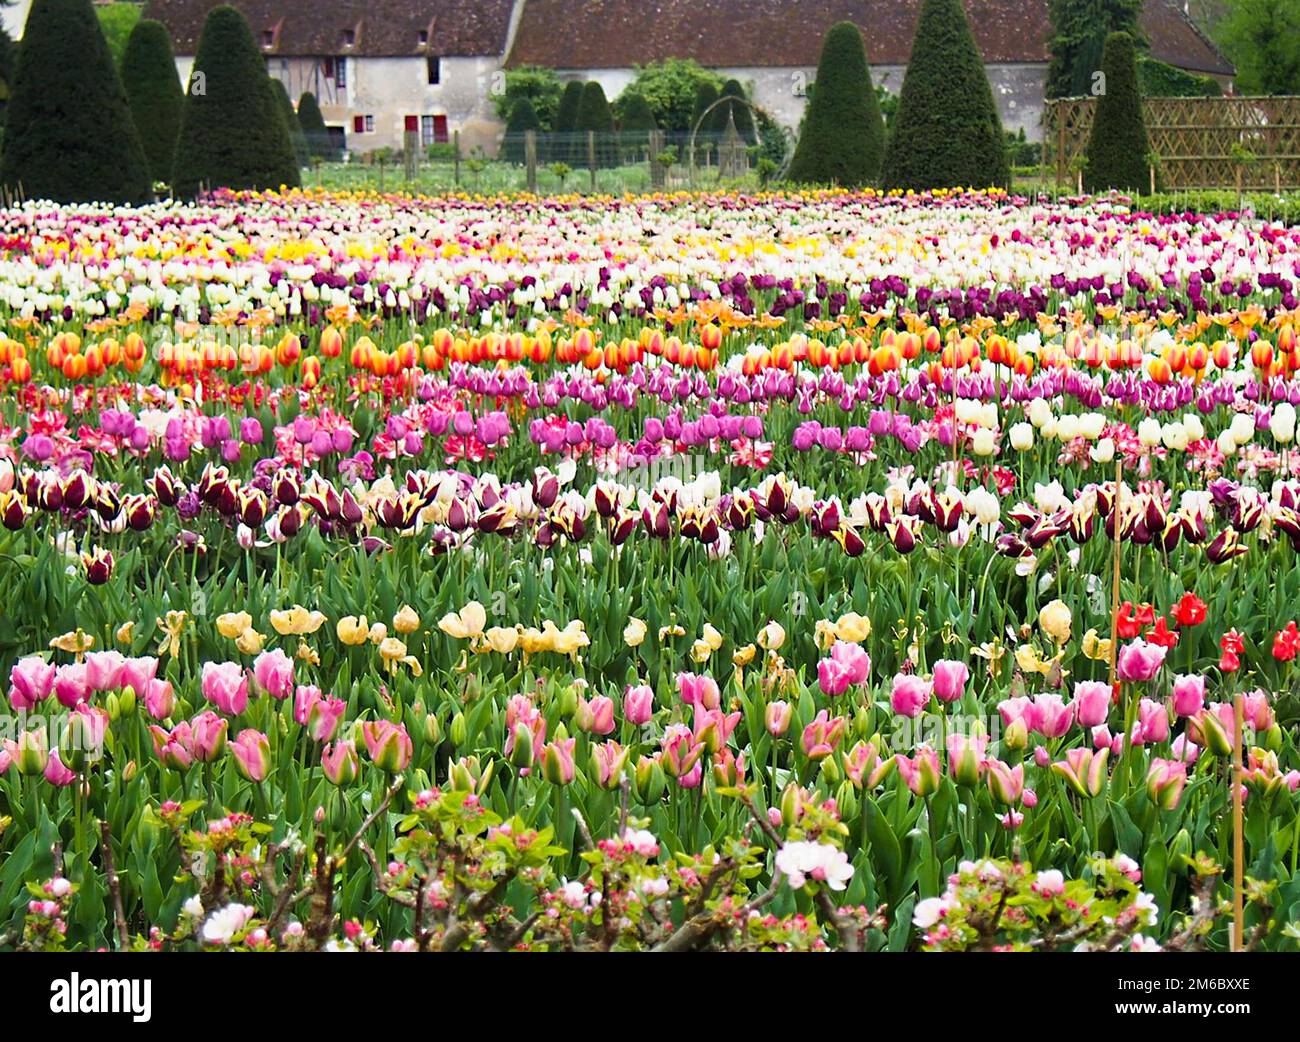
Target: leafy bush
[[523, 118], [671, 88], [1159, 80], [118, 20], [317, 135], [540, 86]]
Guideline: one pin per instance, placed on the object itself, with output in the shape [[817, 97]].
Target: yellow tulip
[[742, 657], [853, 627], [353, 630], [250, 642], [468, 622], [233, 623], [296, 621], [700, 651], [407, 620], [634, 632], [771, 636], [503, 639], [125, 633], [1055, 619]]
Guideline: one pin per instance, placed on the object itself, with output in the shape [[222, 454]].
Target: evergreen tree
[[317, 135], [564, 144], [738, 111], [155, 93], [947, 133], [232, 134], [1263, 39], [523, 118], [297, 138], [1079, 31], [634, 127], [706, 94], [1118, 150], [843, 136], [69, 135], [594, 116]]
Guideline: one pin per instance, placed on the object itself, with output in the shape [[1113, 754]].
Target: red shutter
[[412, 124], [440, 129], [358, 124]]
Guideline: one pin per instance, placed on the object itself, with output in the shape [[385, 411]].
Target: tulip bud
[[846, 801], [791, 804], [1273, 739], [130, 771], [521, 754], [830, 770], [649, 780], [114, 706], [1016, 734], [432, 729], [459, 730], [127, 701]]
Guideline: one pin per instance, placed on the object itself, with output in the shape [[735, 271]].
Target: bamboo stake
[[1238, 843], [1114, 583]]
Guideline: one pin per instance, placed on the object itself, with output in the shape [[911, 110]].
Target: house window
[[424, 37], [434, 66], [363, 124], [349, 37], [268, 37], [336, 69]]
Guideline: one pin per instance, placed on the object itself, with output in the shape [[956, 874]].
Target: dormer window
[[349, 37], [268, 38], [424, 37]]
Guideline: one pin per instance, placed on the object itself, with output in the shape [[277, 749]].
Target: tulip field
[[821, 571]]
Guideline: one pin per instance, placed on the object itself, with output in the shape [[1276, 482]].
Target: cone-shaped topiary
[[706, 95], [313, 127], [637, 114], [740, 113], [843, 137], [594, 115], [69, 136], [523, 118], [155, 93], [297, 138], [1117, 154], [232, 134], [564, 143], [947, 133]]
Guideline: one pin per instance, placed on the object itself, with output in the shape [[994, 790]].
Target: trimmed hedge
[[523, 117], [843, 136], [232, 134], [947, 133], [69, 136], [1118, 150], [154, 90]]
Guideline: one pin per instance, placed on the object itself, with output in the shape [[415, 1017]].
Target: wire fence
[[595, 162]]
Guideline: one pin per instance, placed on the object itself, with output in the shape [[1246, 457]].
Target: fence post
[[381, 173], [455, 156], [530, 158], [1060, 147], [591, 157], [410, 155], [657, 172]]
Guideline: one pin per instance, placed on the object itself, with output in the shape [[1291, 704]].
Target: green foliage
[[947, 133], [671, 88], [232, 134], [1118, 151], [738, 111], [564, 145], [1159, 80], [540, 86], [595, 117], [302, 154], [154, 90], [1262, 37], [313, 126], [843, 137], [634, 113], [706, 95], [8, 58], [118, 20], [523, 118], [69, 135], [1079, 31]]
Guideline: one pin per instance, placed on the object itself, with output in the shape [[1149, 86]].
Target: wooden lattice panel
[[1200, 142]]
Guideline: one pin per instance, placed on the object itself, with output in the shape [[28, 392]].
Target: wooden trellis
[[1227, 142]]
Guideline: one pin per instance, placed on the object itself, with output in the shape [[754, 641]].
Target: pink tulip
[[966, 758], [681, 752], [558, 767], [713, 727], [225, 685], [1052, 717], [388, 745], [324, 717], [1013, 710], [304, 697], [1042, 757], [1165, 782], [696, 689], [173, 748], [610, 759], [638, 704], [1139, 662], [777, 717], [596, 716], [909, 695], [1189, 695], [1256, 711], [1006, 783], [1185, 750], [520, 710], [921, 773], [252, 752], [207, 736], [56, 773], [1152, 722], [138, 673], [864, 767], [70, 685], [950, 679], [822, 735], [273, 671], [1091, 703], [339, 762], [847, 666], [159, 699], [104, 670], [30, 682]]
